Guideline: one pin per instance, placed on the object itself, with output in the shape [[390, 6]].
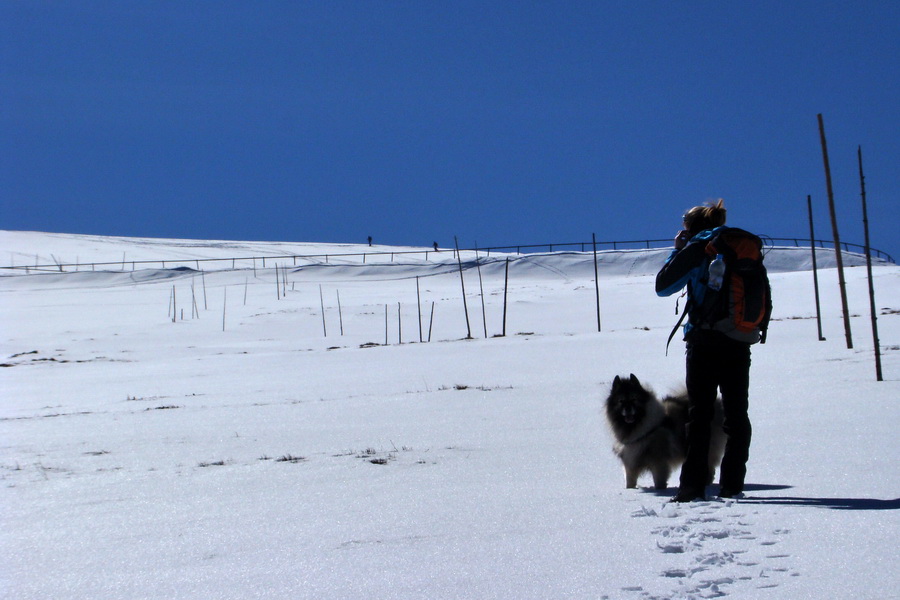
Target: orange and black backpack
[[742, 306]]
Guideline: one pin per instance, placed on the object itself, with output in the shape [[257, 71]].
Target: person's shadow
[[832, 503], [752, 497]]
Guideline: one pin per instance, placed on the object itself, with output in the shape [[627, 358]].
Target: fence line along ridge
[[517, 249]]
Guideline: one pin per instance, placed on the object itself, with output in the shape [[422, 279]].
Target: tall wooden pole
[[872, 309], [340, 312], [419, 308], [277, 284], [322, 305], [837, 238], [596, 280], [194, 309], [505, 291], [462, 282], [812, 242], [224, 305], [431, 321], [481, 290], [203, 279]]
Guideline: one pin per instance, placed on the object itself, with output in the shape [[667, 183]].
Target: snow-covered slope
[[257, 446]]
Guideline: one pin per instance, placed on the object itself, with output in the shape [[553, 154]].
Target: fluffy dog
[[650, 435]]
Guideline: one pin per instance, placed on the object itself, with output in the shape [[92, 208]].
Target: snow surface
[[280, 458]]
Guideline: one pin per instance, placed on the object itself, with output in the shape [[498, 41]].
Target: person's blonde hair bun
[[707, 216]]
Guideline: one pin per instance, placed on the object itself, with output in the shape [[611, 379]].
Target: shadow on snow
[[832, 503]]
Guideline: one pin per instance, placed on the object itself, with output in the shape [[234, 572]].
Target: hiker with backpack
[[728, 309]]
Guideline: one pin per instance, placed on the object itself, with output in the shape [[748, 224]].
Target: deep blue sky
[[413, 121]]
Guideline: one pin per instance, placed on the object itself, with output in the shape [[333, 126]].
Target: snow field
[[149, 459]]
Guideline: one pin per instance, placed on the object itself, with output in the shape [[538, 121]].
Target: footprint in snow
[[708, 542]]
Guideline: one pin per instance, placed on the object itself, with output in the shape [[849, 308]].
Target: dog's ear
[[634, 380], [616, 383]]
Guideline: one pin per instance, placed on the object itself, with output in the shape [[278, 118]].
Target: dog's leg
[[631, 477], [661, 476], [716, 449]]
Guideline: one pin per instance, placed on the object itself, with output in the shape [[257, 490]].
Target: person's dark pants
[[715, 363]]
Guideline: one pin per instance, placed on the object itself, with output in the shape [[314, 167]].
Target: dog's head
[[627, 403]]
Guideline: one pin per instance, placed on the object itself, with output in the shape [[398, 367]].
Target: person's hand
[[681, 239]]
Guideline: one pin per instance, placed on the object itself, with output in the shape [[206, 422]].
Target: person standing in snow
[[715, 361]]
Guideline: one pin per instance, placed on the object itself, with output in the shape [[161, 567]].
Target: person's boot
[[689, 494]]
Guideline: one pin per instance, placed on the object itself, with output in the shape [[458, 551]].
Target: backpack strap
[[721, 243], [764, 326], [687, 307]]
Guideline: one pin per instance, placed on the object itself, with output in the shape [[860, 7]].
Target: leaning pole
[[812, 244], [862, 184], [837, 238]]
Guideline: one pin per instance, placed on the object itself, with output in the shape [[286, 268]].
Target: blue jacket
[[688, 267]]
